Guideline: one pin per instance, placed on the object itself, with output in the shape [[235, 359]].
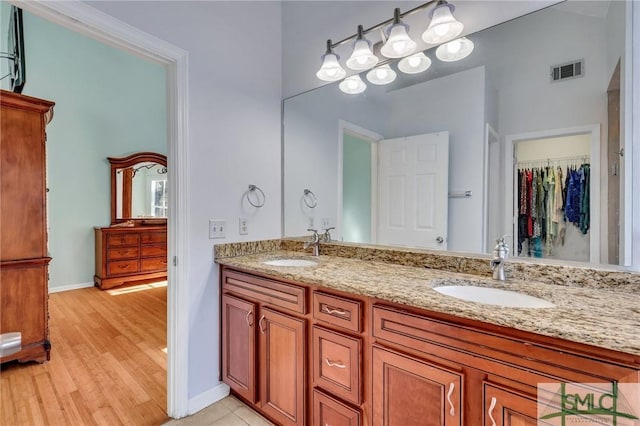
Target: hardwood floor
[[108, 362]]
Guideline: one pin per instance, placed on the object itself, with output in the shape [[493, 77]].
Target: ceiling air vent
[[567, 71]]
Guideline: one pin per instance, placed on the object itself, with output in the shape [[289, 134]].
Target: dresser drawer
[[337, 311], [337, 364], [331, 412], [153, 264], [154, 238], [123, 253], [116, 240], [275, 293], [122, 267], [153, 251]]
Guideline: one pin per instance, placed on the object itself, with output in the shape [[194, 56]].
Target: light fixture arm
[[396, 15]]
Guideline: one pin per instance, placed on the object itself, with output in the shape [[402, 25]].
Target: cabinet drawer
[[122, 267], [330, 412], [116, 240], [153, 264], [153, 251], [337, 364], [489, 352], [273, 292], [154, 238], [337, 311], [123, 253]]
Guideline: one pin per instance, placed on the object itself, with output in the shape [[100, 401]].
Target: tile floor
[[227, 412]]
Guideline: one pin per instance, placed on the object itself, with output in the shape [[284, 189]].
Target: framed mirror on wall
[[520, 80], [139, 188]]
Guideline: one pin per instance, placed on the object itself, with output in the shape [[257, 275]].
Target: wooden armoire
[[24, 257]]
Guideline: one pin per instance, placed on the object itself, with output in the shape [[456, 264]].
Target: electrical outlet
[[310, 223], [217, 229], [243, 226], [326, 223]]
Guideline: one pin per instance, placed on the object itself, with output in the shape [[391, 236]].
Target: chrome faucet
[[313, 242], [500, 254], [326, 237]]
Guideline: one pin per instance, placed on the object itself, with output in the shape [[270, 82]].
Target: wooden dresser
[[24, 255], [127, 255]]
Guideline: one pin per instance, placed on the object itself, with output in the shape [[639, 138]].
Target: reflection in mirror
[[504, 110], [139, 187]]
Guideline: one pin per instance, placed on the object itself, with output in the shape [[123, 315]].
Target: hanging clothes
[[548, 198]]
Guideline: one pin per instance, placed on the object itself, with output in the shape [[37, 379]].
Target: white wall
[[234, 131]]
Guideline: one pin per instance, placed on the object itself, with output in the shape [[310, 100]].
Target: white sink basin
[[291, 262], [493, 296]]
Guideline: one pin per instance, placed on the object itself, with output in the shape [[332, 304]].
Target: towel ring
[[258, 204], [310, 199]]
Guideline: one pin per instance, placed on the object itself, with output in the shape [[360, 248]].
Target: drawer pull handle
[[452, 411], [327, 310], [123, 266], [336, 364], [247, 318], [490, 412], [260, 324]]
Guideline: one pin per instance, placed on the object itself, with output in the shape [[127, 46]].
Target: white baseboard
[[68, 287], [207, 398]]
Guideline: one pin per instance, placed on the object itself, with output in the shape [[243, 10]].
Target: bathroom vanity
[[360, 342]]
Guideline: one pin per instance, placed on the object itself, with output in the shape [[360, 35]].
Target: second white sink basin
[[290, 262], [493, 296]]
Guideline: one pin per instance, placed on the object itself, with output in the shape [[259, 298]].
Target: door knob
[[439, 240]]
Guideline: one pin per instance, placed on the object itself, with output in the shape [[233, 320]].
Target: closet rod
[[555, 160]]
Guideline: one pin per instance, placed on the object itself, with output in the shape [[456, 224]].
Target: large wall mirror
[[139, 188], [437, 159]]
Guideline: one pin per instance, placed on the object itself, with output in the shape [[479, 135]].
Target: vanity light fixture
[[353, 85], [398, 44], [414, 64], [455, 50], [330, 69], [362, 57], [381, 75], [443, 26]]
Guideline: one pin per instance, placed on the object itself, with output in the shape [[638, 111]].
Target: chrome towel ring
[[309, 199], [253, 189]]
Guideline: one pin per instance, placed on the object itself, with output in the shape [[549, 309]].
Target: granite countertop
[[603, 318]]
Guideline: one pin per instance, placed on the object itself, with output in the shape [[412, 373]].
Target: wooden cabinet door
[[239, 346], [411, 392], [504, 407], [282, 367]]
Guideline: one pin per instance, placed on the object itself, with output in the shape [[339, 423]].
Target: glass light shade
[[414, 64], [455, 50], [443, 26], [362, 57], [352, 85], [330, 69], [381, 75], [399, 43]]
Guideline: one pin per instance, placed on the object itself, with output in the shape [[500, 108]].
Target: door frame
[[374, 138], [510, 180], [86, 20], [491, 136]]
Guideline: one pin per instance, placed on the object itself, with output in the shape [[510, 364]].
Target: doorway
[[86, 20], [544, 221]]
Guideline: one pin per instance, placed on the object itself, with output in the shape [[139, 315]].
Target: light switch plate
[[217, 228]]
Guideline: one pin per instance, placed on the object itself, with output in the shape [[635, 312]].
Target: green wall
[[356, 189], [108, 104]]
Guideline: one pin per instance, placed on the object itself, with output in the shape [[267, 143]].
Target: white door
[[413, 180]]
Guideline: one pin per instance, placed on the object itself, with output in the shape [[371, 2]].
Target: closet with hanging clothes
[[553, 201]]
